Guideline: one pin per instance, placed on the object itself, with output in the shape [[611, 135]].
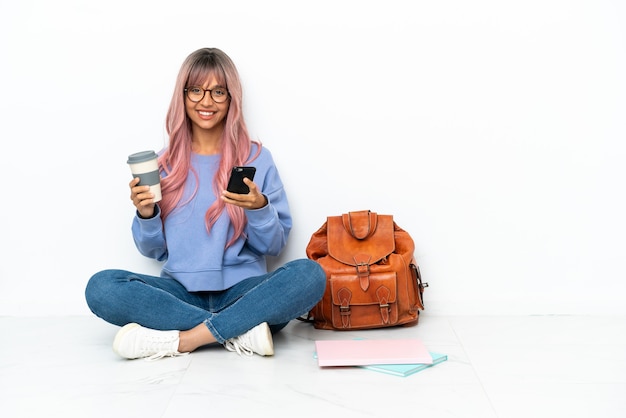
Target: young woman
[[214, 286]]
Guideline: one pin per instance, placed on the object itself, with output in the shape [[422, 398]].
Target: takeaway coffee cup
[[144, 165]]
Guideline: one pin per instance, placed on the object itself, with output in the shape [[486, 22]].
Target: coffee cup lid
[[140, 157]]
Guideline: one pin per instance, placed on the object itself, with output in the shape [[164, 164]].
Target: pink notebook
[[366, 352]]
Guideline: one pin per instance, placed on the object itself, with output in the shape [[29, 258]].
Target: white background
[[493, 131]]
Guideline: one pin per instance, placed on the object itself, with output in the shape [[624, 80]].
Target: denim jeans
[[121, 297]]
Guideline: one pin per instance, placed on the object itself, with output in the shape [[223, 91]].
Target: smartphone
[[237, 174]]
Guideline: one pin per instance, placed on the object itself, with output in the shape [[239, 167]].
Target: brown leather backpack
[[373, 280]]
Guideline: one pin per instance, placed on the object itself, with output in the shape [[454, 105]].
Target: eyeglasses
[[196, 94]]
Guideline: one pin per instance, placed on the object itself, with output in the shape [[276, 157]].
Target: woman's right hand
[[142, 198]]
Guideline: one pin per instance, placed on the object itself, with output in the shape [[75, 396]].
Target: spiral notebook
[[369, 352]]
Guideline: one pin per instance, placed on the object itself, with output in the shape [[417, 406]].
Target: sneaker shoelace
[[164, 353], [240, 344]]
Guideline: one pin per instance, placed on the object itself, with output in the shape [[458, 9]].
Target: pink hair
[[236, 144]]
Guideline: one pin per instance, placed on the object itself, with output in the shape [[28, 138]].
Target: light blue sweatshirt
[[197, 259]]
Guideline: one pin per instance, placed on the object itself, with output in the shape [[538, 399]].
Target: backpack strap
[[360, 224]]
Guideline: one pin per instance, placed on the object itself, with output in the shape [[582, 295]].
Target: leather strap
[[344, 295], [383, 293], [362, 264], [360, 224]]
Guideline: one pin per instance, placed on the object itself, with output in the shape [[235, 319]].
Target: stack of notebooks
[[400, 357]]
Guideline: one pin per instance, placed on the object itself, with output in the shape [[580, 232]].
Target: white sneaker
[[257, 340], [134, 341]]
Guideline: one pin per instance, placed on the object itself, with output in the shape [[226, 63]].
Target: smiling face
[[207, 116]]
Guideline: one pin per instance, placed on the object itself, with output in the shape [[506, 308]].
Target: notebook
[[368, 352], [406, 369]]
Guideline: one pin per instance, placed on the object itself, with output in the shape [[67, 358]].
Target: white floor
[[499, 366]]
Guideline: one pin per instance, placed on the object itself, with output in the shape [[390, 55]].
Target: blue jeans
[[121, 297]]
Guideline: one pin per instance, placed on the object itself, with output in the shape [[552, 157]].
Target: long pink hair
[[236, 144]]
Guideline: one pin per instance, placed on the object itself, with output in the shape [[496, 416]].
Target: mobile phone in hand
[[235, 182]]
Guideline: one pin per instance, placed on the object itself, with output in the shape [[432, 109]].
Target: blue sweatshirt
[[197, 259]]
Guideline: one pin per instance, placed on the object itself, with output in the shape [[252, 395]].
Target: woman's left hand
[[253, 200]]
